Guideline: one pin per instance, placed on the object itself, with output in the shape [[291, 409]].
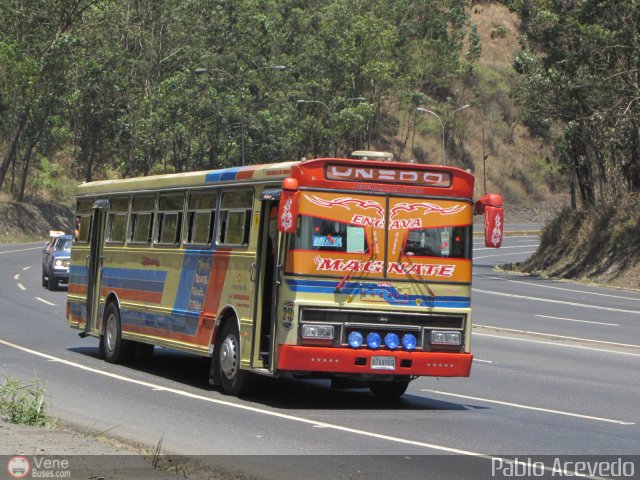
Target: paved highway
[[555, 374]]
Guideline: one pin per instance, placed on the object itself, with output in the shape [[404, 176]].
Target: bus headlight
[[442, 337], [317, 332]]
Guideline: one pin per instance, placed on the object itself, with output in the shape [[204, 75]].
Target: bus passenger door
[[94, 266], [266, 287]]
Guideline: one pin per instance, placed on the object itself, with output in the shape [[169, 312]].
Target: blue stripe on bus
[[134, 279], [125, 278], [390, 294], [176, 322], [78, 275], [221, 176], [194, 280]]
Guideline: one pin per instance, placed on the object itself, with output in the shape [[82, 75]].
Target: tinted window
[[448, 242], [170, 219], [200, 217], [329, 235], [235, 218], [141, 224]]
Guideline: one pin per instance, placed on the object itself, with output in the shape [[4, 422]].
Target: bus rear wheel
[[233, 379], [388, 390], [116, 349]]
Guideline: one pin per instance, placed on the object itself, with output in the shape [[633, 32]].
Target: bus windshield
[[446, 242], [321, 234], [381, 237]]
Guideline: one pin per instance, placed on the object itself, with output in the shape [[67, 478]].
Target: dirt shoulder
[[83, 455], [97, 456]]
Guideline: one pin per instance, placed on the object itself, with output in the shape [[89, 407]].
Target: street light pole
[[239, 80], [444, 149]]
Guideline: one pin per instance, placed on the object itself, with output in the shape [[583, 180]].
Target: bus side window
[[201, 214], [85, 213], [170, 219], [141, 223], [235, 217], [117, 219]]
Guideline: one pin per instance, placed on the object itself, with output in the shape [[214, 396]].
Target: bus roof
[[251, 173], [332, 173]]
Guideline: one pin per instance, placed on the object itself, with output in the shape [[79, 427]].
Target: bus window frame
[[132, 223], [111, 214], [213, 214], [160, 221], [84, 210], [247, 218]]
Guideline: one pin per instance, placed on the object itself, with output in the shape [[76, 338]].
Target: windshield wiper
[[413, 265], [347, 278]]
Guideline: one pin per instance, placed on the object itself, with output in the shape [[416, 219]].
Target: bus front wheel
[[233, 379], [116, 349]]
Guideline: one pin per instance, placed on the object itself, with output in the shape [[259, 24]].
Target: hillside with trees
[[579, 90], [547, 92], [103, 89]]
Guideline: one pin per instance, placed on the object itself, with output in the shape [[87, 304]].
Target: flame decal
[[426, 209], [344, 202]]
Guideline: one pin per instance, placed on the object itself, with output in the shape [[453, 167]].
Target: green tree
[[579, 89]]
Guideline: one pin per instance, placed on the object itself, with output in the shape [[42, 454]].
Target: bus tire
[[233, 379], [388, 390], [116, 349]]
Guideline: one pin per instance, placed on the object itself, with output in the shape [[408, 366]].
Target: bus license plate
[[383, 363]]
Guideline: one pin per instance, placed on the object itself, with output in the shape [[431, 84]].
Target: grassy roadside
[[24, 403]]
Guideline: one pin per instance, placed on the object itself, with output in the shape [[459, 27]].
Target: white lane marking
[[545, 334], [45, 301], [482, 361], [26, 268], [637, 299], [529, 407], [313, 423], [562, 302], [503, 248], [21, 287], [16, 276], [503, 254], [555, 344], [22, 250], [580, 321]]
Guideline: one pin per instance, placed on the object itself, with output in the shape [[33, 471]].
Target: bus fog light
[[441, 337], [409, 341], [324, 332], [392, 341], [374, 340], [355, 339]]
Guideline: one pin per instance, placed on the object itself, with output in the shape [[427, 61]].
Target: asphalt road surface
[[555, 374]]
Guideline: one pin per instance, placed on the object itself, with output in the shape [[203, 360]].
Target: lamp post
[[240, 82], [330, 113], [444, 149]]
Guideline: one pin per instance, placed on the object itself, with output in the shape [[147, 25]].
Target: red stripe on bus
[[134, 295], [243, 174]]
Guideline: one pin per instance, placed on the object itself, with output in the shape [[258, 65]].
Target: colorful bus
[[348, 269]]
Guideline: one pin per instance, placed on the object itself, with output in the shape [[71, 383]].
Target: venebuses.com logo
[[18, 467], [38, 467]]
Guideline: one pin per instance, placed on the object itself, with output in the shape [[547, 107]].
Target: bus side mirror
[[491, 207], [288, 207]]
